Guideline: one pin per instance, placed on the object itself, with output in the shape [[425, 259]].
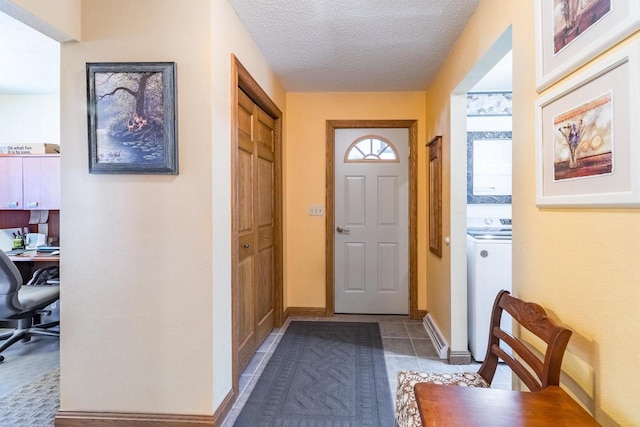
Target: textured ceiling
[[313, 45], [29, 60], [354, 45]]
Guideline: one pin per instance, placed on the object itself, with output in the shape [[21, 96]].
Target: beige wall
[[305, 159], [137, 307], [147, 299], [580, 264]]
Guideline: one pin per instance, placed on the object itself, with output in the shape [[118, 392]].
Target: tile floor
[[406, 346], [25, 362]]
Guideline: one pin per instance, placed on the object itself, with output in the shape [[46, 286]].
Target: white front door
[[372, 221]]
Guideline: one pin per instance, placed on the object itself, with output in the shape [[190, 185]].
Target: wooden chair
[[534, 372]]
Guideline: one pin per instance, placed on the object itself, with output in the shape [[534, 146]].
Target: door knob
[[341, 229]]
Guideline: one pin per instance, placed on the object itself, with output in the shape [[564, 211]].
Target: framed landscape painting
[[132, 118], [569, 33], [586, 137]]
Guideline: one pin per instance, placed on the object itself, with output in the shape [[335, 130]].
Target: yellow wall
[[305, 160], [580, 264]]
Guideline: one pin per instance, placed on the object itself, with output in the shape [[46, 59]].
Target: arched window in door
[[371, 148]]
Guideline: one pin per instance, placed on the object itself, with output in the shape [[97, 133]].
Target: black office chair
[[23, 304]]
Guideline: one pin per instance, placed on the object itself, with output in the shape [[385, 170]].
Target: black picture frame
[[483, 199], [132, 117]]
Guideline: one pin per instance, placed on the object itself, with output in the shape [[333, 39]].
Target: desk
[[29, 262], [34, 257], [448, 405]]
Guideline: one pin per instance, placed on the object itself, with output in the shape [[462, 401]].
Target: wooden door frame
[[412, 126], [241, 79]]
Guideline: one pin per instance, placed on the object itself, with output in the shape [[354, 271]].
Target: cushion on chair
[[407, 414], [38, 295]]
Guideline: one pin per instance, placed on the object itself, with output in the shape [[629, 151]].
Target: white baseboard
[[442, 346]]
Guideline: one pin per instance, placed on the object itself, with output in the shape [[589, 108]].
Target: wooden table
[[447, 405]]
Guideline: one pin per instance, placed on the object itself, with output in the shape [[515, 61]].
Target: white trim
[[458, 224], [440, 343]]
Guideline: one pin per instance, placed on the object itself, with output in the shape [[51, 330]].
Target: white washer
[[488, 272]]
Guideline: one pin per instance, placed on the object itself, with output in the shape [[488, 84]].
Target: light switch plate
[[316, 210]]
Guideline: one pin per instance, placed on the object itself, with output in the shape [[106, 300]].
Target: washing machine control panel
[[488, 223], [489, 228]]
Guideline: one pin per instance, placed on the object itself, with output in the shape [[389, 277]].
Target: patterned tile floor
[[24, 362], [29, 383], [406, 346]]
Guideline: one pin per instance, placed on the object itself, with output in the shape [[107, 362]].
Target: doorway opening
[[489, 159], [459, 196], [30, 105]]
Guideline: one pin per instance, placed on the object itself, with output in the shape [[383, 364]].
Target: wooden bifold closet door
[[255, 201]]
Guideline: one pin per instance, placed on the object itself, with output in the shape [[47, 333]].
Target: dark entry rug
[[323, 374]]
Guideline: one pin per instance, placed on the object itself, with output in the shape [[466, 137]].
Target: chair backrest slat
[[530, 380], [537, 374], [521, 350]]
